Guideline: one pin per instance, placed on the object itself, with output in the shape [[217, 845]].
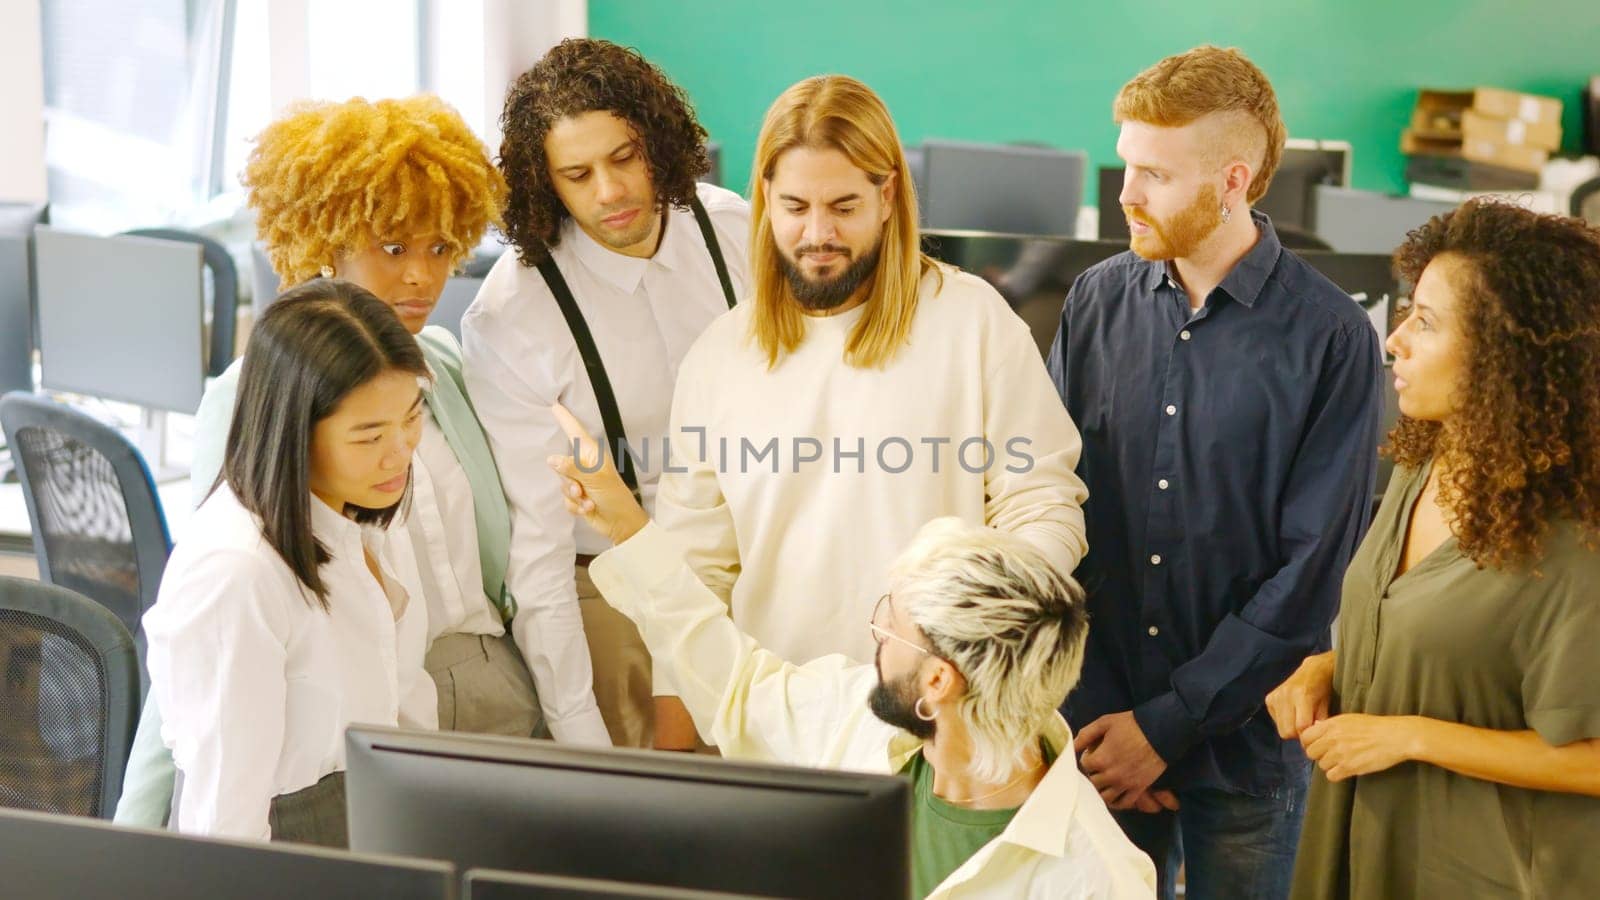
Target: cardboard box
[[1479, 126], [1439, 113], [1512, 156]]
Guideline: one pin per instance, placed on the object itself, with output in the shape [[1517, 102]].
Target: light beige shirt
[[1062, 843], [800, 538], [256, 682]]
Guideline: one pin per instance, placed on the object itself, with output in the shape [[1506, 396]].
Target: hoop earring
[[327, 271], [917, 709], [1226, 214]]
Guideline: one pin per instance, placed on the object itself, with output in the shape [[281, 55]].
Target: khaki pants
[[312, 815], [484, 686], [622, 685]]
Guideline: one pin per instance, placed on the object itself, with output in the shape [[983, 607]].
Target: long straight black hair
[[314, 345]]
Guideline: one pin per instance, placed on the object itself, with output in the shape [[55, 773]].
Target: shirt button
[[1154, 631], [1163, 484], [1172, 410], [1155, 559], [1184, 334]]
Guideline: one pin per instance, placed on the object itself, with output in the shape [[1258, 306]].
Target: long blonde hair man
[[839, 113]]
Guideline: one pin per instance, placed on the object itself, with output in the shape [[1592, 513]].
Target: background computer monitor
[[1291, 197], [714, 154], [1354, 221], [1112, 225], [50, 857], [490, 884], [16, 295], [1033, 274], [121, 318], [1001, 188], [629, 816]]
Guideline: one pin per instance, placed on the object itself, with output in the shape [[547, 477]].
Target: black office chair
[[224, 291], [69, 700], [98, 528], [1586, 201]]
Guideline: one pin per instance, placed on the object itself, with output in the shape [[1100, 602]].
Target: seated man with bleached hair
[[978, 640]]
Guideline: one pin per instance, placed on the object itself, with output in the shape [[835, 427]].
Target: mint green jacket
[[147, 784]]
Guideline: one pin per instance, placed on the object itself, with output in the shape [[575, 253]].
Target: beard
[[895, 702], [1180, 236], [828, 293]]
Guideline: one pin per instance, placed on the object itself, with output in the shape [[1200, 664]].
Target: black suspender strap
[[704, 220], [610, 414], [605, 397]]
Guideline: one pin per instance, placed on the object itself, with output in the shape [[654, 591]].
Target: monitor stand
[[150, 437]]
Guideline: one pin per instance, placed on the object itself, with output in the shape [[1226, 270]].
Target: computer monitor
[[1033, 274], [714, 154], [1354, 221], [51, 857], [1113, 225], [1290, 199], [458, 294], [628, 815], [121, 318], [489, 884], [1001, 188], [17, 221]]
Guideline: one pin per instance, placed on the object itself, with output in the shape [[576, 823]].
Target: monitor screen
[[1033, 274], [121, 318], [1290, 198], [1001, 188], [16, 315], [630, 816], [50, 857]]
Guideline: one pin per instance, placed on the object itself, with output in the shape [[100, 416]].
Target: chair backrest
[[98, 528], [69, 700], [224, 292]]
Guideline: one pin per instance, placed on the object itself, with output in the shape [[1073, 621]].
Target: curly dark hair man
[[582, 75], [622, 260], [1523, 440]]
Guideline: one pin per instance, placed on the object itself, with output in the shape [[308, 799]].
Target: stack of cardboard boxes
[[1482, 139]]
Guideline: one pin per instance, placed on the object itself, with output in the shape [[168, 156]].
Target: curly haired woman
[[391, 196], [1456, 725]]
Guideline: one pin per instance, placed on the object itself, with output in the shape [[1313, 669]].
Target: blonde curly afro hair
[[327, 178]]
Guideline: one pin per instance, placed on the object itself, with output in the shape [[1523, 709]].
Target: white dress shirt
[[256, 682], [519, 357], [442, 526], [1062, 844]]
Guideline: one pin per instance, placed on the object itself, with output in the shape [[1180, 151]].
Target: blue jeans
[[1234, 846]]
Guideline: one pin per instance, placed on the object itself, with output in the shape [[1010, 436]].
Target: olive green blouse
[[1506, 650]]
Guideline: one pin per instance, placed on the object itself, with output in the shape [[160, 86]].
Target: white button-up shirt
[[256, 682], [1061, 844], [519, 357], [442, 525]]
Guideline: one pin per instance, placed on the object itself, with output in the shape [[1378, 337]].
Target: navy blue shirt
[[1230, 455]]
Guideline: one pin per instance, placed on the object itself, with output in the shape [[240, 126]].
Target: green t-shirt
[[943, 835]]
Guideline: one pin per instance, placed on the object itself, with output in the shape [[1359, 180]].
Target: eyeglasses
[[881, 634]]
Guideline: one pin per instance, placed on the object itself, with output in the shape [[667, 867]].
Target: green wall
[[1003, 70]]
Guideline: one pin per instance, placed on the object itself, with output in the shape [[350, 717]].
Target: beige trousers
[[484, 686], [622, 685]]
